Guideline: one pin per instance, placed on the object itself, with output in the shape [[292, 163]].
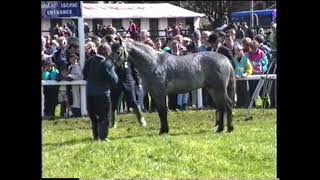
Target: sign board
[[60, 9]]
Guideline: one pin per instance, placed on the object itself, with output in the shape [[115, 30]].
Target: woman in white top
[[75, 74]]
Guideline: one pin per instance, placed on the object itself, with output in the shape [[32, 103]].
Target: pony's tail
[[231, 87]]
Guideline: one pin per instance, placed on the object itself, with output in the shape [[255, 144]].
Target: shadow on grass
[[151, 134], [70, 142]]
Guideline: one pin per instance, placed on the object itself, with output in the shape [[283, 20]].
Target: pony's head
[[119, 52]]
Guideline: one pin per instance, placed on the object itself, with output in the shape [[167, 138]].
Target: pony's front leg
[[162, 111], [160, 101]]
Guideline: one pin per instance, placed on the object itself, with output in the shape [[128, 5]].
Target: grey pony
[[163, 74]]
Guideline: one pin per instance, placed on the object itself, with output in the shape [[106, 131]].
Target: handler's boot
[[103, 130], [94, 127], [138, 113]]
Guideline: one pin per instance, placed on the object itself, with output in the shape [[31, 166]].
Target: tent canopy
[[148, 10]]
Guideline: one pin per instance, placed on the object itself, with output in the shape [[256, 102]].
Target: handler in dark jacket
[[128, 79], [216, 46], [100, 75]]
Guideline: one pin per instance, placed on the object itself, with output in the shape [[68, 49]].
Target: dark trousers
[[129, 94], [149, 103], [50, 99], [172, 101], [98, 107], [139, 95], [206, 99], [243, 94]]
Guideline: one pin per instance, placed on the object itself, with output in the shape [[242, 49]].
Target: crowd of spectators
[[249, 51]]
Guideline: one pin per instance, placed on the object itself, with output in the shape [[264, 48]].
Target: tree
[[215, 11]]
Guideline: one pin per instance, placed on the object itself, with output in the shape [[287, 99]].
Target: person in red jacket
[[133, 30]]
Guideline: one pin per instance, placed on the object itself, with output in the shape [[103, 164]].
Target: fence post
[[83, 100]]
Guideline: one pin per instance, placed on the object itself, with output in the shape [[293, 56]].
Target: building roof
[[147, 10]]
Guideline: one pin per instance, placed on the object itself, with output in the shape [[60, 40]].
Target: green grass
[[191, 150]]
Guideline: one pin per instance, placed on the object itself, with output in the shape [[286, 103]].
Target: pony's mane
[[142, 46]]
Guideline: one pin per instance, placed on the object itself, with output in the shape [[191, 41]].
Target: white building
[[157, 16]]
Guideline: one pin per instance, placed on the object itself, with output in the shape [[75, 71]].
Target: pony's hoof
[[248, 118], [230, 129], [218, 129], [142, 122], [164, 132]]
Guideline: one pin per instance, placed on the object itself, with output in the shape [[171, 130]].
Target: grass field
[[191, 150]]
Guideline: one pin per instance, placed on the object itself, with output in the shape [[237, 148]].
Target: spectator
[[168, 31], [43, 44], [104, 31], [149, 42], [204, 41], [75, 74], [246, 44], [179, 38], [194, 48], [90, 49], [257, 58], [181, 99], [267, 50], [196, 42], [187, 43], [261, 32], [73, 29], [229, 43], [158, 45], [240, 34], [111, 30], [133, 31], [144, 35], [55, 30], [62, 95], [250, 33], [232, 33], [54, 46], [49, 72], [176, 31], [167, 45], [243, 68], [259, 64], [205, 46], [244, 27], [61, 55], [73, 49], [86, 30]]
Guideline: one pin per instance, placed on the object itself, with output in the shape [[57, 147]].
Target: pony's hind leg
[[219, 126], [223, 104]]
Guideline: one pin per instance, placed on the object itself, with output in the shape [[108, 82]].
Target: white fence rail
[[82, 84]]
